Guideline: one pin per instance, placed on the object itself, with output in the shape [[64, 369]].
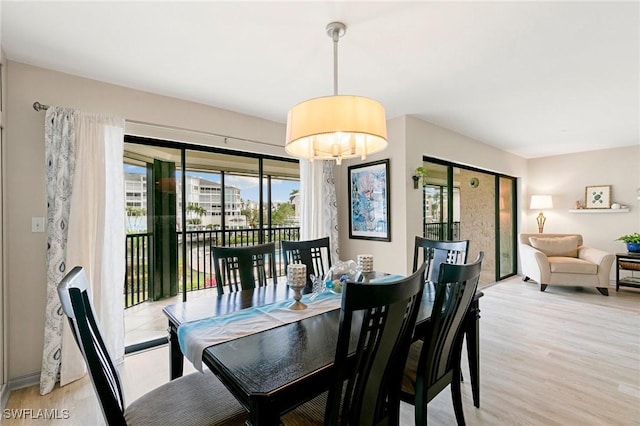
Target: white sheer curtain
[[319, 215], [92, 236]]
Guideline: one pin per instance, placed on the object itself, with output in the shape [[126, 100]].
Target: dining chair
[[241, 268], [366, 389], [196, 399], [309, 252], [435, 252], [434, 362]]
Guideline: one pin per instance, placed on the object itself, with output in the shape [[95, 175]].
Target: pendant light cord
[[335, 30], [335, 36]]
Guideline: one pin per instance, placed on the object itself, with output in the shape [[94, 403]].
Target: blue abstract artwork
[[368, 194]]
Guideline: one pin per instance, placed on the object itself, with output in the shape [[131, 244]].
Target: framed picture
[[369, 201], [598, 197]]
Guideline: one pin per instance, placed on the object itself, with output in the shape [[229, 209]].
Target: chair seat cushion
[[411, 369], [570, 265], [197, 399], [556, 246]]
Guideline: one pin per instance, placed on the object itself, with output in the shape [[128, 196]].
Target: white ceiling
[[534, 79]]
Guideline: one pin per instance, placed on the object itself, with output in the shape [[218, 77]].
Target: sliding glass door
[[506, 227], [471, 204], [181, 200]]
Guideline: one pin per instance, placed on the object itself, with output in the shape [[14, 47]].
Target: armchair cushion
[[557, 246], [570, 265]]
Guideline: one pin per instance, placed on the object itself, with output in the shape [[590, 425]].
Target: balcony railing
[[199, 262], [438, 230], [138, 276]]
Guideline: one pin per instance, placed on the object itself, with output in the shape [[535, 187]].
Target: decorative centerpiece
[[297, 280], [341, 272], [632, 241]]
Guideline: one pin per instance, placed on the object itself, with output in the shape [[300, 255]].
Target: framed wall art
[[598, 197], [369, 201]]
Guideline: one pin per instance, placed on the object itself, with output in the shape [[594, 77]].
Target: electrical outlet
[[37, 224]]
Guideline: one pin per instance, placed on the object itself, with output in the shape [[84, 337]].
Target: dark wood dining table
[[273, 371]]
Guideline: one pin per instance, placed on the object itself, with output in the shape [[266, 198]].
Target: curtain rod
[[205, 133], [41, 107]]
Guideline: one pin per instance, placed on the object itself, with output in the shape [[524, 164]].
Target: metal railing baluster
[[138, 274]]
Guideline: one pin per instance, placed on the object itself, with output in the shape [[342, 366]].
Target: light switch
[[37, 224]]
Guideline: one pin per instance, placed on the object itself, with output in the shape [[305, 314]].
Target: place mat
[[194, 337]]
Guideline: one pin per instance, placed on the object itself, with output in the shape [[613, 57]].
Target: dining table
[[274, 370]]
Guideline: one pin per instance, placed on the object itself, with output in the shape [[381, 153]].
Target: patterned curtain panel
[[60, 155], [319, 216], [86, 183]]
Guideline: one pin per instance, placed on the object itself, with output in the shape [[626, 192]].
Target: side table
[[627, 262]]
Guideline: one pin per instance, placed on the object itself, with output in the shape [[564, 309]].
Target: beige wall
[[387, 256], [565, 177], [409, 140], [25, 176]]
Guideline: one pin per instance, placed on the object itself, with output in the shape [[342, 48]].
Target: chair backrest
[[244, 267], [434, 253], [455, 288], [311, 253], [76, 305], [388, 312]]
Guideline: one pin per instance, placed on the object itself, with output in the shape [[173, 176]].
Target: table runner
[[194, 337]]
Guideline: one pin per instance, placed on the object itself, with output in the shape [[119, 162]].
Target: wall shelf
[[625, 210]]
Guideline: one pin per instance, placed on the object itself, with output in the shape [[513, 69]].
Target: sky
[[248, 185]]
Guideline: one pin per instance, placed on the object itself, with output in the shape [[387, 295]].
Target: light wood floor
[[568, 356]]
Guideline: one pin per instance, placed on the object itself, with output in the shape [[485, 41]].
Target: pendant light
[[339, 126]]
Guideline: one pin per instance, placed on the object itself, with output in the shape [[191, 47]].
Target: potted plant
[[632, 241], [420, 175]]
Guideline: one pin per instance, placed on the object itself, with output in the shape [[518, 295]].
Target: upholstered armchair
[[561, 259]]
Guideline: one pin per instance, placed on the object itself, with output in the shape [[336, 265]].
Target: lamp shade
[[541, 202], [336, 127]]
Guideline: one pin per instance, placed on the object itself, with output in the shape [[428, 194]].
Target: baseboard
[[17, 383], [24, 381], [4, 396]]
